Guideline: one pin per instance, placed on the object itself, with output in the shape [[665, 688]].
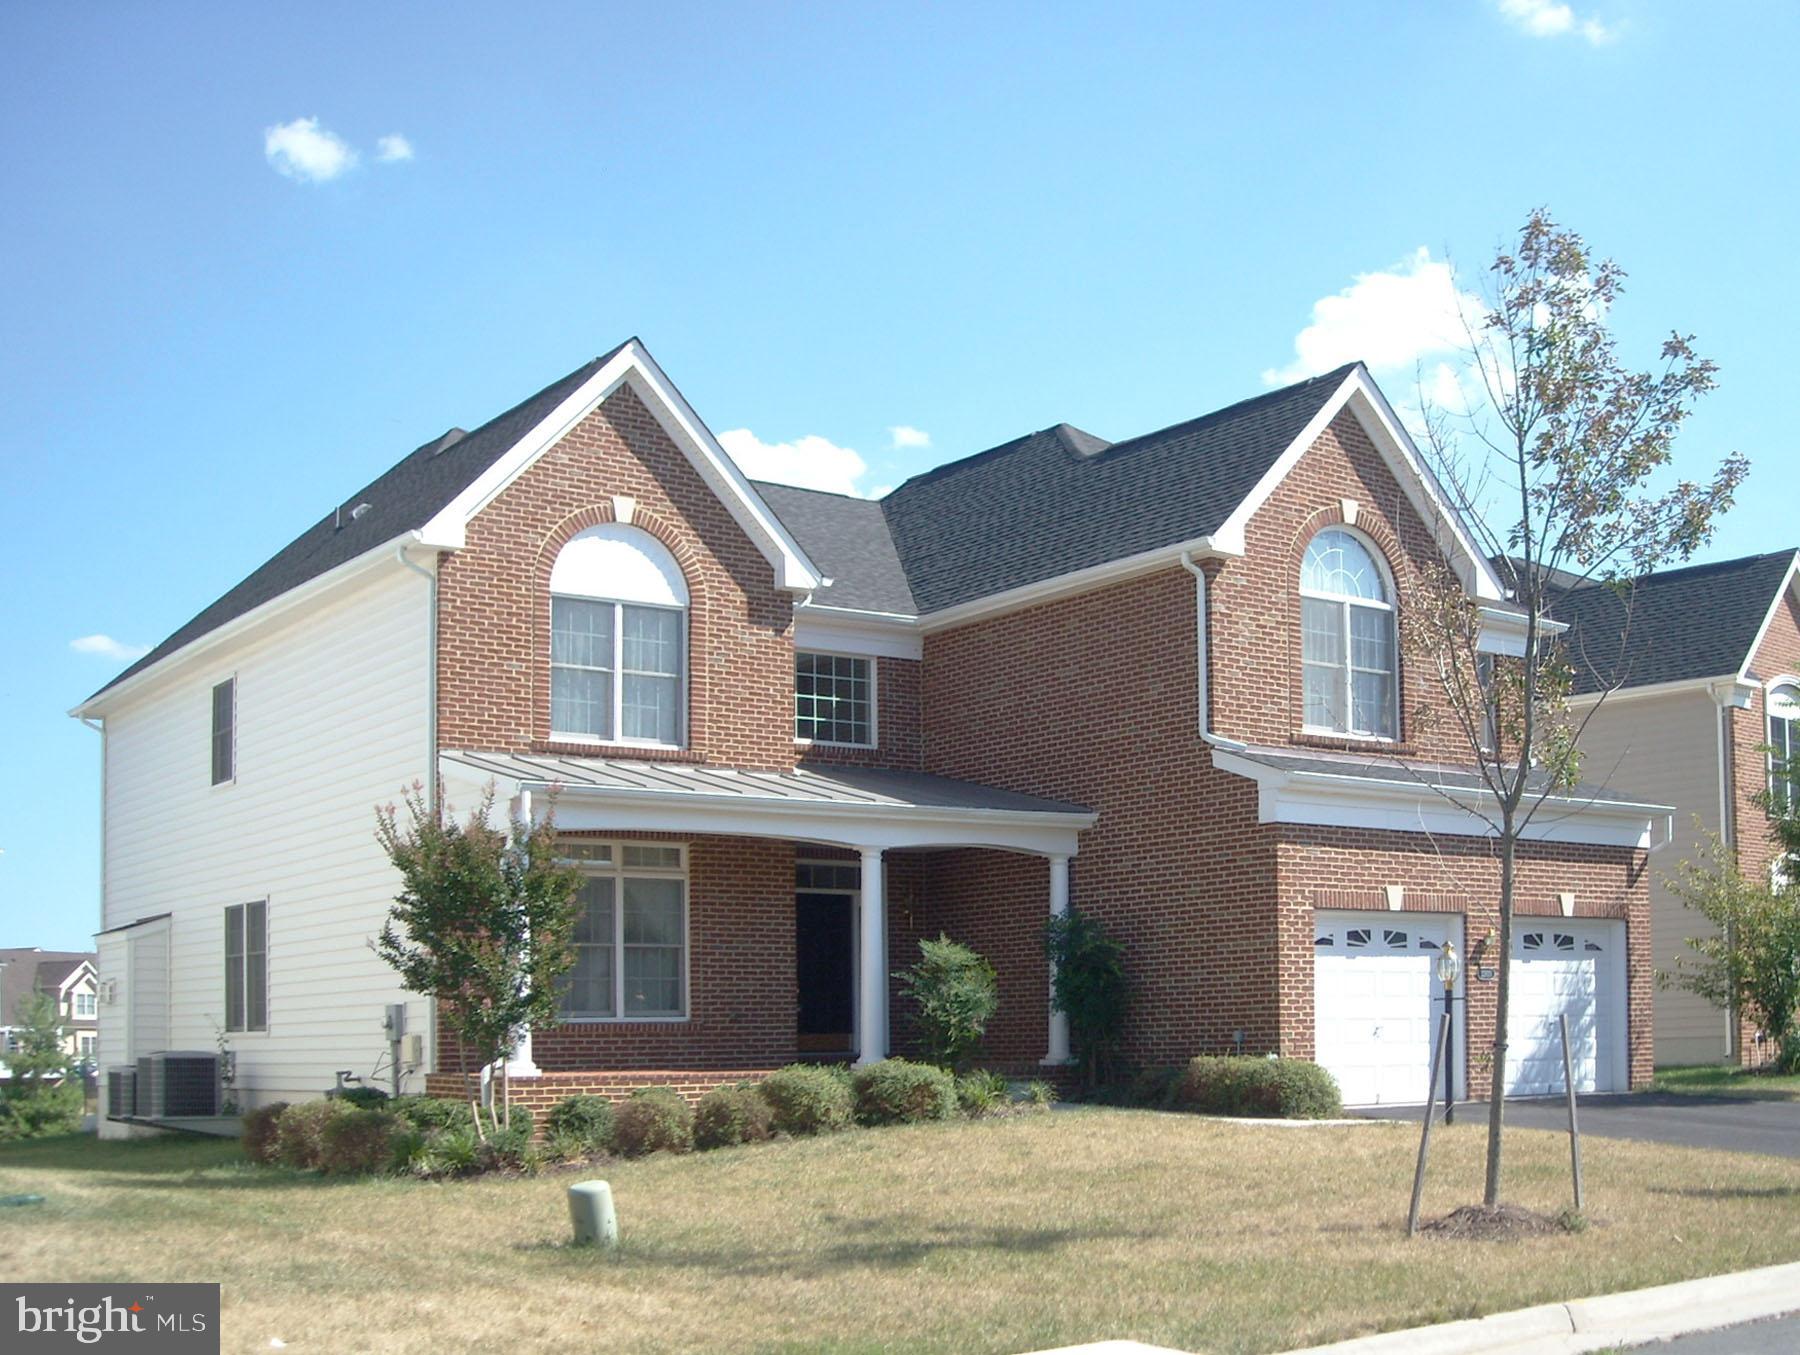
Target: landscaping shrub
[[728, 1116], [979, 1093], [359, 1142], [956, 993], [427, 1113], [580, 1126], [299, 1131], [364, 1098], [1291, 1089], [262, 1133], [1040, 1095], [449, 1152], [655, 1119], [896, 1091], [1090, 987], [1154, 1087], [807, 1098], [508, 1149]]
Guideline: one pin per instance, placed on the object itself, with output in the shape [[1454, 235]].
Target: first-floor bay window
[[631, 932]]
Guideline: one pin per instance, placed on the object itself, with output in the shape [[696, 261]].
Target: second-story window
[[834, 699], [1347, 647], [84, 1004], [224, 731], [618, 639], [1784, 744]]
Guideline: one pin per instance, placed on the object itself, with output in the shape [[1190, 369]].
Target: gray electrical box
[[394, 1022]]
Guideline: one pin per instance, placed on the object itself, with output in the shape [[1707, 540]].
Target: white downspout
[[1201, 694], [431, 696], [99, 728]]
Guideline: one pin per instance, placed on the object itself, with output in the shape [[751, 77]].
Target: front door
[[824, 968]]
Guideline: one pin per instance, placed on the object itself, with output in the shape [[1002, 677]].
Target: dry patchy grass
[[996, 1236]]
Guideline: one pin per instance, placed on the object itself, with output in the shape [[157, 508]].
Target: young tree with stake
[[1557, 468]]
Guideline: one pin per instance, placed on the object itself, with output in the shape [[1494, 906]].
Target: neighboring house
[[69, 977], [1702, 667], [789, 734]]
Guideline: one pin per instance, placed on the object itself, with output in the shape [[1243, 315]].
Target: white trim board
[[1789, 584], [632, 365]]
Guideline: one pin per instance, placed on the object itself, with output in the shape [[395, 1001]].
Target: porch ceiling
[[849, 806]]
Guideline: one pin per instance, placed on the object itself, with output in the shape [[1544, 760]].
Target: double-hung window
[[84, 1004], [1784, 744], [224, 731], [247, 966], [1347, 644], [631, 932], [618, 639], [834, 699]]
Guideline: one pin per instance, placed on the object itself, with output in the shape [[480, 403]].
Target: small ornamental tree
[[1089, 987], [957, 994], [43, 1095], [484, 922], [1559, 470]]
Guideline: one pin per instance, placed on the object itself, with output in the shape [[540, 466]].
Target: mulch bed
[[1478, 1223]]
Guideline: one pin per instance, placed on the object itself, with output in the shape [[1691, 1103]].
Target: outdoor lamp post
[[1447, 968]]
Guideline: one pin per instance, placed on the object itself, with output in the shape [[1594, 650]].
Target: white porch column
[[871, 1003], [1059, 906]]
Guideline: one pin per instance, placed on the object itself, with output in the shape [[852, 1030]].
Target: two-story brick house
[[789, 733]]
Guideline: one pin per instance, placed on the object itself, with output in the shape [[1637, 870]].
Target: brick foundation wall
[[539, 1094]]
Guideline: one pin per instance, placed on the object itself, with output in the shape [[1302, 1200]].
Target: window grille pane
[[1324, 696], [653, 857], [234, 967], [594, 923], [652, 980], [581, 632], [648, 708], [1338, 563], [1373, 694], [653, 912], [581, 702], [574, 849], [256, 966], [588, 986], [1372, 638], [1321, 631], [825, 875], [652, 641], [832, 698], [224, 731]]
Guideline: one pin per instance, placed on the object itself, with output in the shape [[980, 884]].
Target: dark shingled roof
[[402, 499], [1672, 626], [848, 540], [1054, 502]]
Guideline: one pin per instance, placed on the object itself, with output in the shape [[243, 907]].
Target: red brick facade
[[1090, 698]]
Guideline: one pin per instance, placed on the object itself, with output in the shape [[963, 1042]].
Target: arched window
[[1784, 742], [618, 636], [1346, 638]]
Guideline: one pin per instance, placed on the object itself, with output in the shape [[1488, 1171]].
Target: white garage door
[[1376, 1002], [1564, 966]]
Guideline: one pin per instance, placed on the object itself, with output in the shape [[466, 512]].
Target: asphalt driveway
[[1733, 1124]]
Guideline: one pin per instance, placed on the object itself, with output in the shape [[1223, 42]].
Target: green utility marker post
[[591, 1210]]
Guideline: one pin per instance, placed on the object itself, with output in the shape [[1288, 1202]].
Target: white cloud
[[1553, 19], [812, 462], [1393, 320], [393, 147], [907, 437], [108, 648], [303, 150]]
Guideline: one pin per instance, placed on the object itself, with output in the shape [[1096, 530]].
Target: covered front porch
[[800, 894]]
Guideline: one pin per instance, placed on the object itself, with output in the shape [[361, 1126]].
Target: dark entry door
[[824, 953]]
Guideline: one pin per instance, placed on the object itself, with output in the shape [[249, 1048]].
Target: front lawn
[[994, 1236], [1715, 1079]]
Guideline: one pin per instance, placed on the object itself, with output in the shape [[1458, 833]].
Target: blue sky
[[828, 223]]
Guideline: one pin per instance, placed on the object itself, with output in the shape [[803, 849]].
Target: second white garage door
[[1565, 966], [1376, 1002]]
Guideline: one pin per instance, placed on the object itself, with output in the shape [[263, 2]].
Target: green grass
[[997, 1236], [1724, 1079]]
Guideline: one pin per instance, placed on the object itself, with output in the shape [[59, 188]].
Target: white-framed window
[[834, 699], [618, 640], [224, 731], [1347, 644], [631, 937], [85, 1004], [85, 1044], [1783, 704], [12, 1042], [247, 966]]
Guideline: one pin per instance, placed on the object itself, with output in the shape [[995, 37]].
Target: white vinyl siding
[[333, 721], [631, 934]]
